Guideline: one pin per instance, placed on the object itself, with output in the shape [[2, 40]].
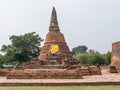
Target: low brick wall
[[59, 66], [45, 74], [4, 71], [85, 72], [68, 73], [52, 67], [34, 64]]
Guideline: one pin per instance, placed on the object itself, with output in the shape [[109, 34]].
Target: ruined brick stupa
[[54, 34], [55, 60], [115, 60]]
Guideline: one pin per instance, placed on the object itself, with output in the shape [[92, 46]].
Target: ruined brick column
[[115, 60], [54, 34]]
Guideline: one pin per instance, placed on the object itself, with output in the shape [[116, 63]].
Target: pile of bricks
[[113, 69], [45, 74], [85, 72], [30, 65], [94, 70]]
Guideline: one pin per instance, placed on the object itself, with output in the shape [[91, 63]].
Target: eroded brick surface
[[45, 74], [54, 34], [4, 71], [115, 61]]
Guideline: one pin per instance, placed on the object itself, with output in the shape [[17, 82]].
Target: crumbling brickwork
[[115, 60], [45, 74], [54, 34], [4, 71]]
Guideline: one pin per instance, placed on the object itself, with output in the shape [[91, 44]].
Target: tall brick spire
[[54, 21], [54, 34]]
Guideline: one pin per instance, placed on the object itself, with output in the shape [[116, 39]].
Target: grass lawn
[[113, 87]]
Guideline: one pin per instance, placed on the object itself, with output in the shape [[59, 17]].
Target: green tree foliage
[[107, 57], [91, 51], [9, 53], [95, 59], [79, 50], [1, 60], [23, 47], [82, 58], [91, 57]]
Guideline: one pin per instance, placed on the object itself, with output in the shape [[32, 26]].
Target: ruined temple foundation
[[49, 65], [45, 74], [54, 73]]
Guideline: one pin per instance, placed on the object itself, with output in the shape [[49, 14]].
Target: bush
[[95, 59], [82, 58]]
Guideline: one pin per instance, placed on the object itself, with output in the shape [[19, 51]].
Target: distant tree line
[[91, 56]]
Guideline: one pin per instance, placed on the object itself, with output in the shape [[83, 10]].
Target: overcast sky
[[94, 23]]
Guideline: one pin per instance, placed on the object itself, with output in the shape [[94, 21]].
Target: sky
[[94, 23]]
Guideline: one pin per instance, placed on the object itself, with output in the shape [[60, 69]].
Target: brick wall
[[45, 74], [115, 60], [4, 71]]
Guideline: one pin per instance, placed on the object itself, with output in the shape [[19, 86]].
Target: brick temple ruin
[[55, 60], [115, 60], [54, 34]]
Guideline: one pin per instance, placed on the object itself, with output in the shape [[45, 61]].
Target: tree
[[23, 47], [82, 58], [1, 60], [95, 59], [92, 57], [79, 50], [107, 58], [91, 51], [9, 53]]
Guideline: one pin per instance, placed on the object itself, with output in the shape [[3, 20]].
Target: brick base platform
[[50, 72], [105, 79], [66, 73], [45, 74], [58, 66], [4, 71]]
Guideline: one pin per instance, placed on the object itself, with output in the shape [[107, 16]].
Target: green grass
[[117, 87]]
